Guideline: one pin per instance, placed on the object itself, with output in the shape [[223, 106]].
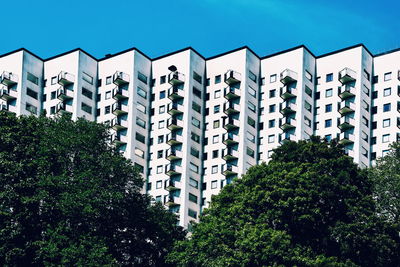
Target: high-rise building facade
[[191, 124]]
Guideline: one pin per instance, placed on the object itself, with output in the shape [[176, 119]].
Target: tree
[[69, 198], [310, 206], [386, 177]]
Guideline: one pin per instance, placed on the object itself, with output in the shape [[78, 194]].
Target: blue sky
[[157, 27]]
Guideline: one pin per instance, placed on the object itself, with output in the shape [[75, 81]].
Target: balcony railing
[[118, 124], [231, 123], [119, 94], [287, 123], [65, 78], [172, 170], [175, 108], [288, 76], [174, 124], [175, 93], [346, 107], [229, 170], [230, 154], [346, 123], [286, 137], [346, 91], [232, 77], [231, 92], [346, 138], [174, 139], [176, 78], [119, 109], [64, 94], [63, 108], [287, 108], [347, 75], [7, 94], [287, 92], [120, 78], [230, 139], [231, 108], [8, 78]]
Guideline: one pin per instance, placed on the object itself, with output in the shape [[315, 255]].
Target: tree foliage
[[68, 198], [310, 206]]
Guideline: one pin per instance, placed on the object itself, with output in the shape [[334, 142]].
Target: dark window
[[87, 93], [31, 93]]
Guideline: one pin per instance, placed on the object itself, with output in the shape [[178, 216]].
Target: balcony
[[174, 124], [120, 94], [176, 78], [346, 123], [119, 109], [174, 139], [62, 108], [229, 170], [64, 94], [8, 78], [286, 137], [173, 154], [288, 76], [346, 107], [231, 108], [287, 123], [230, 139], [172, 170], [118, 124], [231, 124], [175, 108], [230, 154], [286, 92], [287, 108], [3, 107], [7, 94], [120, 78], [172, 201], [117, 140], [346, 138], [349, 152], [231, 93], [347, 75], [172, 185], [346, 91], [175, 93], [65, 78], [232, 77]]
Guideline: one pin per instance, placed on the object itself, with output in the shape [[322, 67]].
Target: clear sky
[[211, 27]]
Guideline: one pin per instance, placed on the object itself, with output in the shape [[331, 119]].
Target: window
[[141, 107], [87, 93], [159, 182], [32, 78], [386, 107], [328, 123], [271, 123], [53, 80], [252, 107], [308, 76], [329, 92], [107, 110], [328, 137], [160, 154], [31, 108], [307, 106], [161, 124], [214, 169], [385, 138], [252, 76], [272, 108], [328, 108], [216, 109], [216, 124], [194, 152], [252, 92], [193, 167], [262, 81], [160, 139], [271, 138], [387, 76], [163, 79], [365, 121], [386, 123], [367, 75], [308, 91], [141, 138], [86, 77], [139, 152], [215, 139], [195, 137], [387, 92], [141, 92], [374, 94], [365, 105], [141, 77], [329, 77], [272, 78], [196, 107], [251, 122], [217, 79], [52, 110], [85, 107], [375, 79], [250, 137], [215, 154], [272, 93], [141, 123], [385, 152], [197, 92], [197, 77], [195, 122], [250, 152], [217, 94], [31, 93], [214, 184], [192, 213], [193, 183], [161, 109], [192, 198], [162, 94]]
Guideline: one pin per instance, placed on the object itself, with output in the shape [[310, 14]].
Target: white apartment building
[[192, 124]]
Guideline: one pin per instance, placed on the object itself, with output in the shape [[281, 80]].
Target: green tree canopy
[[386, 177], [69, 198], [310, 206]]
